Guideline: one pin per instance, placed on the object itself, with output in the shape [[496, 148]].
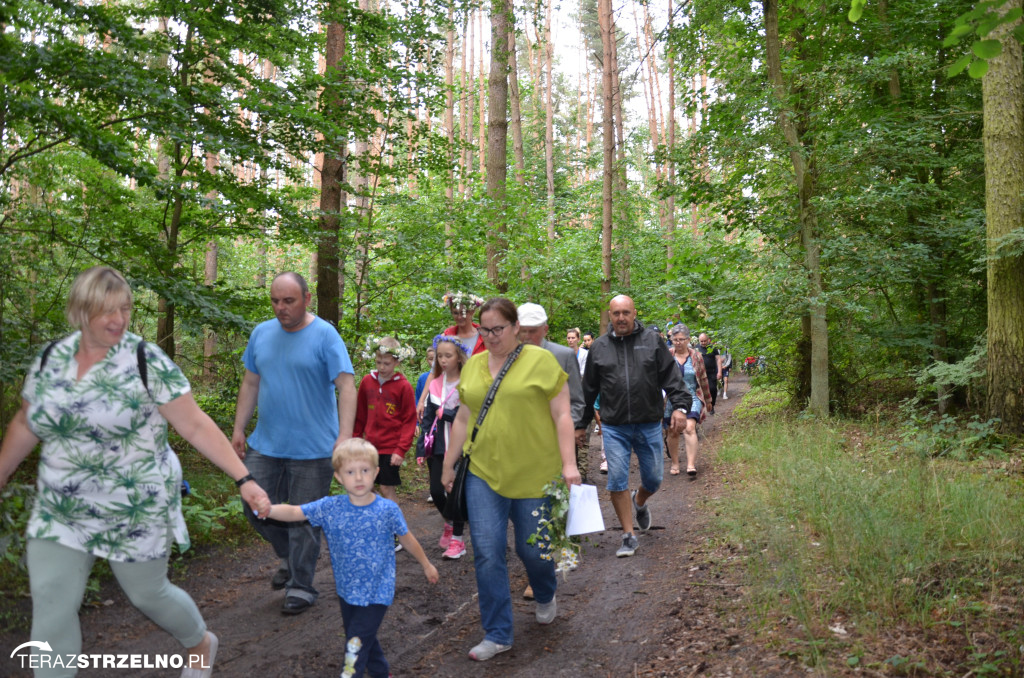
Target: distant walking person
[[712, 365], [629, 367], [572, 337], [293, 366], [691, 367], [726, 367]]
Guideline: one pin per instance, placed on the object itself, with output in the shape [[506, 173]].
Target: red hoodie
[[386, 413]]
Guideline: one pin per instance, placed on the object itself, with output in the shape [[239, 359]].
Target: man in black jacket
[[629, 367]]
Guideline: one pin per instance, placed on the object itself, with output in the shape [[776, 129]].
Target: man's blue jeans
[[293, 481], [646, 441], [489, 513]]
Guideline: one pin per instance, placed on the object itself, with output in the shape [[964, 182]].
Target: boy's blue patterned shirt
[[361, 540]]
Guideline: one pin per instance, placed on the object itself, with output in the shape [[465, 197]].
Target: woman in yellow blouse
[[524, 442]]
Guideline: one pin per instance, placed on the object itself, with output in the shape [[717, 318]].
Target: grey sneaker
[[629, 546], [546, 612], [643, 514], [487, 649]]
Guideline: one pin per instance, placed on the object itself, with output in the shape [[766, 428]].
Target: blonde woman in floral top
[[108, 482]]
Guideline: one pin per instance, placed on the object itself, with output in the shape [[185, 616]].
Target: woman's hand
[[256, 498], [571, 473], [447, 478]]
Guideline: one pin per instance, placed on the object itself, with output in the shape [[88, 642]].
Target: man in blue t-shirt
[[293, 366]]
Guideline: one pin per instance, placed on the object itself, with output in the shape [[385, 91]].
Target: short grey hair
[[679, 328]]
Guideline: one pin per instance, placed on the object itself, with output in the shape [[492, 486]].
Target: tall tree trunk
[[518, 154], [497, 139], [549, 122], [332, 178], [449, 121], [1003, 101], [468, 68], [210, 279], [604, 17], [805, 175], [619, 125], [482, 99], [670, 206]]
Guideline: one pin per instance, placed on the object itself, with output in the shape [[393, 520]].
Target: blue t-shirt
[[420, 384], [361, 540], [298, 408]]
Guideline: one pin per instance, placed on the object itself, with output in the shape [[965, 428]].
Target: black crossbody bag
[[455, 508]]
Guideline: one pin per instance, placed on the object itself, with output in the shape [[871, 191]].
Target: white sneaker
[[546, 612], [725, 396], [487, 649], [207, 670]]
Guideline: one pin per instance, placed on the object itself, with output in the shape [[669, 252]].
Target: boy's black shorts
[[388, 474]]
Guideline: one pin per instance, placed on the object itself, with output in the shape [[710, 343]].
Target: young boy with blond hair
[[360, 528]]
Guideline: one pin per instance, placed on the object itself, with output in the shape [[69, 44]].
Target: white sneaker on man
[[487, 649]]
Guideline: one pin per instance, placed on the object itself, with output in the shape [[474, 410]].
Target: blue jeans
[[363, 622], [295, 481], [489, 513], [646, 441]]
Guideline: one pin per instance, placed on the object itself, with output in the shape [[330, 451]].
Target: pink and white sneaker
[[446, 536], [456, 549]]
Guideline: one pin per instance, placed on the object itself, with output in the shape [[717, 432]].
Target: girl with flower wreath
[[386, 410], [442, 398], [462, 306]]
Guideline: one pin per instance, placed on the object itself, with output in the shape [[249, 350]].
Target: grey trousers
[[57, 579]]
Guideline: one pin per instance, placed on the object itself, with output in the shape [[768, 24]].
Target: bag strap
[[489, 400], [140, 358]]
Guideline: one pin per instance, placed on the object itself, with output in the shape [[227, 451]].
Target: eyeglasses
[[492, 331]]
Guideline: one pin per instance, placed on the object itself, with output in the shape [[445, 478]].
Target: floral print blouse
[[109, 484]]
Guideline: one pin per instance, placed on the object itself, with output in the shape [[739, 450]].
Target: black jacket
[[630, 373]]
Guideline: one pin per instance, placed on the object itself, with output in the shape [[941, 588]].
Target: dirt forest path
[[670, 610]]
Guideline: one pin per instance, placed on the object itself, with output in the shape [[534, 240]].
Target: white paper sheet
[[584, 511]]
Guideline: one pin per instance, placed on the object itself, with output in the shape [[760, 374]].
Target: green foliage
[[830, 523], [933, 435], [17, 501]]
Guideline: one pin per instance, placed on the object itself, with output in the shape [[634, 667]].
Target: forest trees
[[831, 174], [890, 147]]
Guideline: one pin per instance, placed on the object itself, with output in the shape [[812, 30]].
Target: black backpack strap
[[46, 355], [140, 358]]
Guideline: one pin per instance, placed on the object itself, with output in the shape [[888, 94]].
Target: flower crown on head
[[451, 339], [374, 346], [461, 300]]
